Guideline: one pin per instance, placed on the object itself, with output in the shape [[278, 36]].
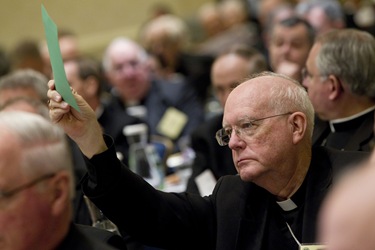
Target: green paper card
[[61, 82]]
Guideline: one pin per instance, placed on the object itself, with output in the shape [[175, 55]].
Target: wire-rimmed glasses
[[223, 135]]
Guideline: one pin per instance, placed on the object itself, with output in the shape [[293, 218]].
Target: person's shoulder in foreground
[[95, 238], [37, 186], [347, 218]]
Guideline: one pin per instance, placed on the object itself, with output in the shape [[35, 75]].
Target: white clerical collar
[[287, 205], [332, 122]]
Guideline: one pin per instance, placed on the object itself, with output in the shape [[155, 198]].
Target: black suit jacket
[[165, 94], [237, 215], [208, 153], [88, 238], [112, 122], [360, 140]]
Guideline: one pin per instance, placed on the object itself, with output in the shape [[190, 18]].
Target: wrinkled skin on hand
[[82, 127]]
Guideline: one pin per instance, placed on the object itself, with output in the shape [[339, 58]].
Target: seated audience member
[[272, 202], [24, 82], [289, 45], [37, 186], [266, 7], [167, 40], [26, 104], [29, 84], [228, 70], [171, 109], [322, 15], [69, 47], [347, 219], [238, 29], [280, 12], [275, 15], [26, 55], [26, 90], [341, 87], [84, 76], [209, 20]]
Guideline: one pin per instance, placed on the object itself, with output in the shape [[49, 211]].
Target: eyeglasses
[[10, 193], [223, 135]]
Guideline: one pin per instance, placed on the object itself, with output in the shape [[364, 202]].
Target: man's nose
[[235, 141]]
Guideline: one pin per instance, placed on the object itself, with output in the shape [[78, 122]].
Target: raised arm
[[82, 126]]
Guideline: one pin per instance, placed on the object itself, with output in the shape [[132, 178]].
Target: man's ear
[[335, 87], [298, 121], [60, 192]]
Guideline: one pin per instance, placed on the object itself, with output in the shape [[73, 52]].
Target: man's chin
[[246, 175]]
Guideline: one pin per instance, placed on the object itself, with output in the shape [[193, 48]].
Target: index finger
[[52, 94]]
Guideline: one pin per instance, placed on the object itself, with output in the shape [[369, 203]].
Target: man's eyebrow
[[240, 120]]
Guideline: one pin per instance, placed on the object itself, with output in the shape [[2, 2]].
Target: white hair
[[44, 147], [126, 42]]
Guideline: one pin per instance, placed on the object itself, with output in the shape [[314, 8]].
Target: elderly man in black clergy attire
[[340, 80], [273, 201]]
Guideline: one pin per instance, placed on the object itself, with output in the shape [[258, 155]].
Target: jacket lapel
[[253, 221], [318, 183], [361, 138]]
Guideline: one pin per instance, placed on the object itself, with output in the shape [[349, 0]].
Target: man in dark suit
[[227, 71], [341, 86], [273, 201], [170, 105]]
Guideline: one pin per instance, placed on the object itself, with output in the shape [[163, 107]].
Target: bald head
[[121, 47], [270, 93], [268, 123], [231, 68]]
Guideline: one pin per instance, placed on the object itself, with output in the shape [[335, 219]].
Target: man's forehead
[[254, 85], [241, 114], [123, 49], [284, 31], [253, 93], [11, 141], [249, 94], [123, 54], [7, 94]]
